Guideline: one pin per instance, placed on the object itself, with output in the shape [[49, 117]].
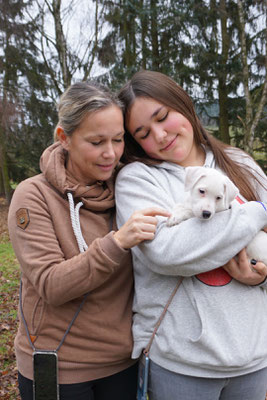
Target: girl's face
[[96, 146], [163, 133]]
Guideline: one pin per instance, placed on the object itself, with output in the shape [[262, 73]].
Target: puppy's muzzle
[[206, 214]]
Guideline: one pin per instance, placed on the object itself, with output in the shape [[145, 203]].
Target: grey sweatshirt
[[215, 325]]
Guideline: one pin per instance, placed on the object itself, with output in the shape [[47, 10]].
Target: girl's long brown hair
[[157, 86]]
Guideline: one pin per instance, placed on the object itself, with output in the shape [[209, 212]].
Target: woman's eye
[[118, 140], [164, 117], [145, 135], [96, 143]]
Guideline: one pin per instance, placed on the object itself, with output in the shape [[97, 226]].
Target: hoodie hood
[[170, 166], [96, 197]]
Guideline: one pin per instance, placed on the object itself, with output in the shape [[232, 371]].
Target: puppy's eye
[[201, 191], [218, 198]]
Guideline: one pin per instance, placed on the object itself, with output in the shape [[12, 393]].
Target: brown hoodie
[[56, 275]]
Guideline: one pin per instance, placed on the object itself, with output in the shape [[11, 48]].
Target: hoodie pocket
[[38, 312]]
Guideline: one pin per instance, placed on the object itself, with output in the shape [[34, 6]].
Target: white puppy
[[209, 191]]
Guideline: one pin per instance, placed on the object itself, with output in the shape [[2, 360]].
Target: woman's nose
[[109, 151]]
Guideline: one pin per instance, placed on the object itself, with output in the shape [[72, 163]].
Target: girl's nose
[[160, 134]]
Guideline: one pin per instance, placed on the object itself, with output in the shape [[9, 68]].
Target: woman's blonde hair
[[157, 86], [79, 100]]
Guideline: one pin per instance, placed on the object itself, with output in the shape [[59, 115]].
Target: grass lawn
[[9, 289]]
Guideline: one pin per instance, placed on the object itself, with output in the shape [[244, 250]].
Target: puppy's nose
[[206, 214]]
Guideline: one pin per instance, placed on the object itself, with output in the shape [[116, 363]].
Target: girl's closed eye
[[161, 119], [164, 117]]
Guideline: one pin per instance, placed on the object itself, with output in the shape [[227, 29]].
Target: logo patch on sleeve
[[23, 218]]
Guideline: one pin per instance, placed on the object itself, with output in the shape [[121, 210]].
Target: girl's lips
[[169, 145]]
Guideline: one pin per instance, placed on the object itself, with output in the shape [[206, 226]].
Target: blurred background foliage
[[215, 49]]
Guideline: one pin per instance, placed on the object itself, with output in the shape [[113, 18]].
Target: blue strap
[[263, 205]]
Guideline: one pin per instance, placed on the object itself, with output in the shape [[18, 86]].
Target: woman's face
[[163, 133], [96, 146]]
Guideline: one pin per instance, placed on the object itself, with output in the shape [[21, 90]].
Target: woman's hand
[[139, 227], [245, 271]]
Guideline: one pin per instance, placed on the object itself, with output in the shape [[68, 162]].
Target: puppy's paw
[[174, 220], [180, 213]]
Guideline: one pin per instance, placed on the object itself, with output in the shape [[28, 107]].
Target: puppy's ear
[[192, 175], [230, 190]]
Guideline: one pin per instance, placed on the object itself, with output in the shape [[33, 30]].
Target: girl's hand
[[139, 227], [245, 271]]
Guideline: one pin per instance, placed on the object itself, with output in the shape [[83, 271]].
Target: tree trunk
[[132, 39], [154, 35], [127, 52], [61, 43], [223, 112], [143, 13], [223, 92], [4, 168], [89, 66], [3, 121], [2, 189], [249, 111]]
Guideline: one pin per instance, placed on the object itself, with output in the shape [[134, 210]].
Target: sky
[[78, 20]]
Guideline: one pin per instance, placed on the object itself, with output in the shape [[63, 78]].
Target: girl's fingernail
[[253, 261]]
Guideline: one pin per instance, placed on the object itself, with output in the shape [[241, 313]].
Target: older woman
[[62, 228]]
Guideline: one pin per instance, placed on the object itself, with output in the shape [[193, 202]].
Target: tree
[[222, 76], [37, 65], [145, 34], [24, 97], [13, 39], [229, 60], [67, 57], [197, 43], [255, 100]]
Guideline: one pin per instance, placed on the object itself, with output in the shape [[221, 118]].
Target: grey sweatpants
[[168, 385]]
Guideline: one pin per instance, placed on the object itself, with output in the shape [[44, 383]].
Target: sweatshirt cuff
[[111, 248], [256, 209], [263, 284]]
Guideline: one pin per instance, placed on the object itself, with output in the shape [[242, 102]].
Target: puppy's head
[[209, 191]]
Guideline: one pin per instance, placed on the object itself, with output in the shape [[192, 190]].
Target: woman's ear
[[62, 137]]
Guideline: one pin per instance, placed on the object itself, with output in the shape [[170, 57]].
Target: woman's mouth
[[169, 145], [106, 167]]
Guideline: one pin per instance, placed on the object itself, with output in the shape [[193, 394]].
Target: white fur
[[209, 191]]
